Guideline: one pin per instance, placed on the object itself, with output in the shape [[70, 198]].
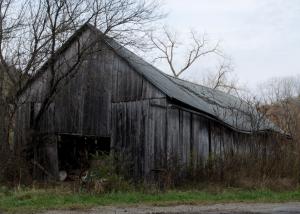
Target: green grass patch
[[33, 200]]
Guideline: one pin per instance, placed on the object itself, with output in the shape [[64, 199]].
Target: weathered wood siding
[[153, 135], [129, 134], [188, 137], [22, 127], [128, 85], [83, 103]]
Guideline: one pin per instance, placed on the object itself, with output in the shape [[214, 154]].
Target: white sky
[[261, 36]]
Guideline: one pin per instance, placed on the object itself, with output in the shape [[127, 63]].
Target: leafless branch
[[168, 44]]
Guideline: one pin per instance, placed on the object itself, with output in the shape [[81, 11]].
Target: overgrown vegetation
[[232, 178], [276, 170], [102, 176], [270, 163]]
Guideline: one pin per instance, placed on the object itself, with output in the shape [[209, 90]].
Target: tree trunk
[[4, 128], [3, 116], [4, 122]]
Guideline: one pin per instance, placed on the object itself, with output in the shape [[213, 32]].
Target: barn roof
[[229, 110], [225, 108]]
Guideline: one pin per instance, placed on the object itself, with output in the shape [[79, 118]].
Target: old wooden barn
[[120, 104]]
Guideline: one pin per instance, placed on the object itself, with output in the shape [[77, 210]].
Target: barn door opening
[[76, 152]]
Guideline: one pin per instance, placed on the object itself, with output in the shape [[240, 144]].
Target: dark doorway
[[75, 152]]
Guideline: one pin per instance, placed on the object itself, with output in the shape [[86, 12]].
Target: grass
[[33, 200]]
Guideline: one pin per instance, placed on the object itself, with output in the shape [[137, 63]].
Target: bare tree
[[170, 50], [31, 31], [281, 103]]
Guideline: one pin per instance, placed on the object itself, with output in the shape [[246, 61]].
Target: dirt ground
[[280, 208]]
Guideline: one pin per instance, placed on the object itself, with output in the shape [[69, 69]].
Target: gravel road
[[263, 208]]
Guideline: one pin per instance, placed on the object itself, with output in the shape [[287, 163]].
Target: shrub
[[14, 170], [103, 177]]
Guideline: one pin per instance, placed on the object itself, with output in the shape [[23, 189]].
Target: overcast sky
[[261, 36]]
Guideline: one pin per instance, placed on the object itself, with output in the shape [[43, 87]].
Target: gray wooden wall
[[153, 134]]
